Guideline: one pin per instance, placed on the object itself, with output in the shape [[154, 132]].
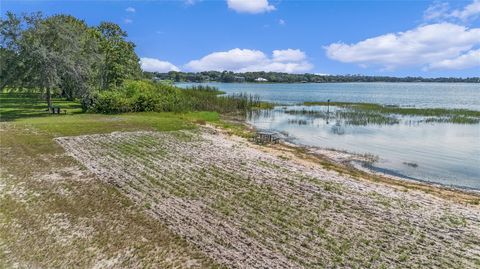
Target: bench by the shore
[[264, 137]]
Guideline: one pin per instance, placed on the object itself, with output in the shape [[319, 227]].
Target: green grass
[[29, 109], [66, 125], [15, 105], [30, 157]]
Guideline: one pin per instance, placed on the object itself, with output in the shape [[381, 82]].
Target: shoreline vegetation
[[275, 77], [382, 114], [147, 96]]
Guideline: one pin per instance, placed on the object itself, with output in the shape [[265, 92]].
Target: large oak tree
[[62, 54]]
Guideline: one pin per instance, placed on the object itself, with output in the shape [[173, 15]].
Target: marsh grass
[[365, 118], [463, 116], [147, 96], [199, 100], [349, 116], [454, 119]]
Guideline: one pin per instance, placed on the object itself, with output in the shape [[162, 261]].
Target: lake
[[411, 146], [431, 95]]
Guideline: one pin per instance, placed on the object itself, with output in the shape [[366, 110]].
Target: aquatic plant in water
[[348, 116], [461, 116]]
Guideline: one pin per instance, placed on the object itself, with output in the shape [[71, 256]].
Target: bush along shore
[[141, 96]]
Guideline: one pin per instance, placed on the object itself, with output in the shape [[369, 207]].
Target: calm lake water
[[438, 95], [444, 153]]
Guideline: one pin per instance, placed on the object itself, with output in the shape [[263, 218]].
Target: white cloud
[[468, 60], [441, 11], [421, 46], [130, 9], [228, 60], [127, 21], [288, 55], [282, 22], [246, 60], [250, 6], [470, 11], [156, 65], [438, 10]]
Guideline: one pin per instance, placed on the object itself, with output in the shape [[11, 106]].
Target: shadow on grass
[[15, 106]]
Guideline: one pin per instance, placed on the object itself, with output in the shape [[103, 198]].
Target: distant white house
[[261, 80]]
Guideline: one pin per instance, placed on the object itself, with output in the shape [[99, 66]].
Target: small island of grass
[[464, 116]]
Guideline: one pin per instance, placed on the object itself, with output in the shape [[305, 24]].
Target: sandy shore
[[361, 163], [250, 206], [355, 162]]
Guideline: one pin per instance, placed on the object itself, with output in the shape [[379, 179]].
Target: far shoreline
[[278, 77], [332, 82]]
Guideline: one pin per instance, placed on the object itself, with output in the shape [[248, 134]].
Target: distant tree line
[[62, 55], [276, 77]]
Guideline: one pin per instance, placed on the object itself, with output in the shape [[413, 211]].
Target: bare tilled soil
[[54, 213], [247, 208]]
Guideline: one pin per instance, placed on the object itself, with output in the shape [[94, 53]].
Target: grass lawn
[[30, 110], [15, 105], [55, 213]]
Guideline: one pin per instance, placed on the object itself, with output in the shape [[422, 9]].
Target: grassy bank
[[55, 213], [14, 105]]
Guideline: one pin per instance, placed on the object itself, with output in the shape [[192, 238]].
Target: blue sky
[[399, 38]]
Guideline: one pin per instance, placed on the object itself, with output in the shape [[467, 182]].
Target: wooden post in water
[[328, 109]]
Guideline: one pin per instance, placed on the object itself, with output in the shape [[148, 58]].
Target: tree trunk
[[49, 98]]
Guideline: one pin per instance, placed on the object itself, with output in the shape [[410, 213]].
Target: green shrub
[[141, 95], [111, 102]]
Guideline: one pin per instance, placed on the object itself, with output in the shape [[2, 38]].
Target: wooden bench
[[56, 110], [266, 137]]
